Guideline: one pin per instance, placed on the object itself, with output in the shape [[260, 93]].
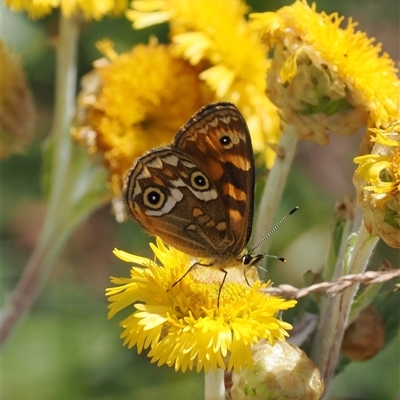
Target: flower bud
[[280, 372], [365, 337]]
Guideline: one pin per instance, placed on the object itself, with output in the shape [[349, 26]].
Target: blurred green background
[[65, 348]]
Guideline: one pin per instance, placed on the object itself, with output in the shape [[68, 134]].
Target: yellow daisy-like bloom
[[95, 9], [377, 182], [325, 78], [182, 324], [232, 58], [133, 102]]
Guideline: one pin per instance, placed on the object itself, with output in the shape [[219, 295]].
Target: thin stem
[[336, 310], [53, 234], [214, 385], [275, 185], [60, 138]]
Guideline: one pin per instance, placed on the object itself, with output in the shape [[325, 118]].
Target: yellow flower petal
[[127, 257], [377, 182]]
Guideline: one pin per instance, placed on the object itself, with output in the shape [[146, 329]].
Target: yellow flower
[[232, 59], [133, 102], [377, 182], [182, 325], [17, 111], [325, 78], [95, 9]]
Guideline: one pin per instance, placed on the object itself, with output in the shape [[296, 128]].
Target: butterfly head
[[249, 259]]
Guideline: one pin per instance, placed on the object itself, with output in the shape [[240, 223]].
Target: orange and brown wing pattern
[[217, 139]]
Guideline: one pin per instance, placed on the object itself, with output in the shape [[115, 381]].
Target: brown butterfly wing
[[218, 140], [172, 197]]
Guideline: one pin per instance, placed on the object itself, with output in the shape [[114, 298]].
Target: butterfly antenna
[[272, 231]]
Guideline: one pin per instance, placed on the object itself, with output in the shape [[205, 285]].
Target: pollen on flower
[[182, 325]]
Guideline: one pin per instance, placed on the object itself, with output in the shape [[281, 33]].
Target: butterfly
[[197, 193]]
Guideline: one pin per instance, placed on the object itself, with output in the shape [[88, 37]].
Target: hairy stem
[[214, 385], [335, 312]]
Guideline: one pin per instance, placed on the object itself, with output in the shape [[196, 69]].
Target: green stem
[[214, 385], [54, 232], [275, 185], [60, 138], [335, 312]]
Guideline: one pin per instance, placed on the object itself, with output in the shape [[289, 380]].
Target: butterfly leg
[[245, 277], [222, 284], [190, 268]]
